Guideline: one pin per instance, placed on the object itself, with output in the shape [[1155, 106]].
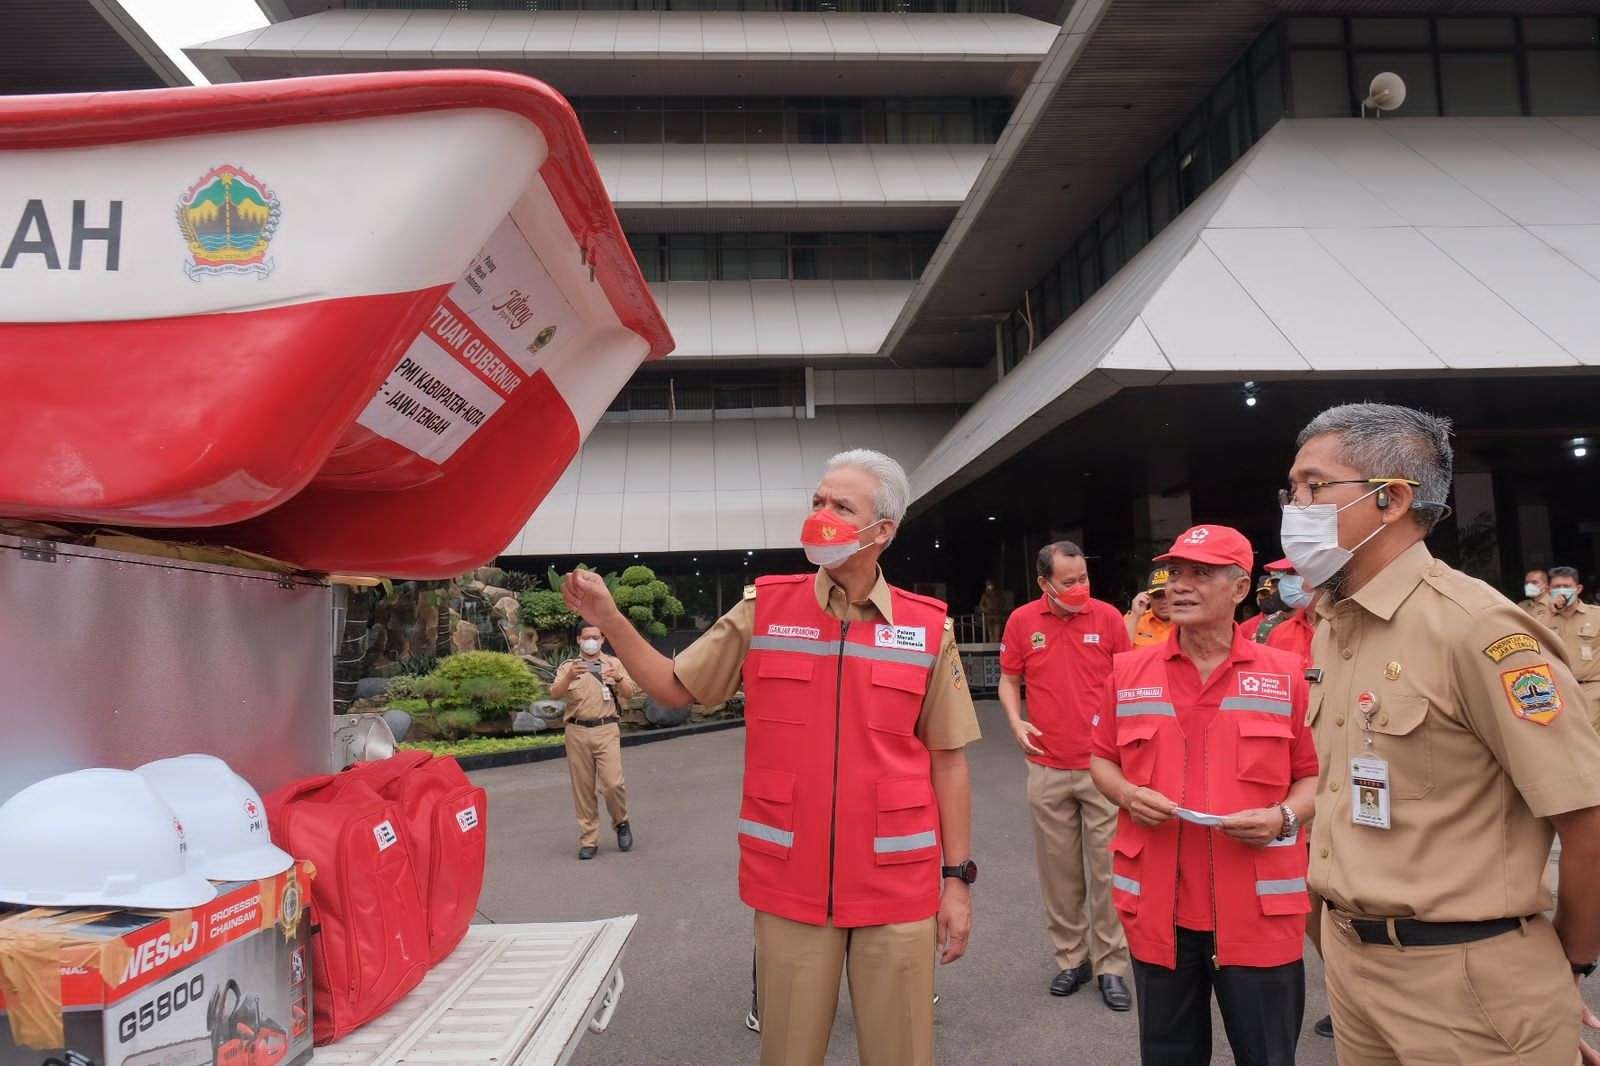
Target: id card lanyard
[[1369, 773]]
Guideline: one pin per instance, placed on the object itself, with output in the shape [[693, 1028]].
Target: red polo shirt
[[1197, 703], [1065, 660]]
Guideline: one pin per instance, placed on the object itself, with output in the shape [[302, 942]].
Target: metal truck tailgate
[[516, 995]]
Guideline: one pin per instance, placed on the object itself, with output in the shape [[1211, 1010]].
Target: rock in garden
[[370, 688], [527, 722]]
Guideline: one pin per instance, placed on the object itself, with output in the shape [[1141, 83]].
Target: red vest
[[838, 820], [1259, 894]]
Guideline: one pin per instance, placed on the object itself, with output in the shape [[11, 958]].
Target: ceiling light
[[1252, 393], [1580, 451], [991, 518], [1579, 446], [1249, 401], [936, 544]]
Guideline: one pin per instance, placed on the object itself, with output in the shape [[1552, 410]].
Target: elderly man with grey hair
[[1454, 722], [854, 824]]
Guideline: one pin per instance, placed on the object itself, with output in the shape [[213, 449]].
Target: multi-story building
[[1084, 267]]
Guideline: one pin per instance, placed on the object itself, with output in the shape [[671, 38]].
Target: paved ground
[[688, 967]]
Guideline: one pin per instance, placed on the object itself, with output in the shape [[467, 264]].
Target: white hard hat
[[95, 838], [223, 818]]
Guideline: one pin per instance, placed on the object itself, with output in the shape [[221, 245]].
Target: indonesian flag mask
[[829, 540]]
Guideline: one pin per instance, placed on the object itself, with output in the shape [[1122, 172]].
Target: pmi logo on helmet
[[252, 811]]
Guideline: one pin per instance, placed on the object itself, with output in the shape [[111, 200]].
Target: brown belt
[[593, 722]]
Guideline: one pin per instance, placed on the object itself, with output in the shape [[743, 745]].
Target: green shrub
[[491, 684], [483, 745], [546, 611]]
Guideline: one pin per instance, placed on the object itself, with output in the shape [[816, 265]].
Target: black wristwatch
[[1585, 969], [965, 871]]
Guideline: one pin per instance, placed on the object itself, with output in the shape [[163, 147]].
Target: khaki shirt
[[711, 668], [1578, 627], [586, 696], [1473, 774]]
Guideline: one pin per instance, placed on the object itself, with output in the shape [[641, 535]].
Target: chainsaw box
[[224, 984]]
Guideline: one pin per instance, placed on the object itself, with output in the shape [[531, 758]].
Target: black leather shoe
[[588, 851], [1324, 1027], [624, 837], [1114, 990], [1069, 981]]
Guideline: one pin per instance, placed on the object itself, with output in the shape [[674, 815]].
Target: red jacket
[[838, 820], [1259, 894], [1294, 634]]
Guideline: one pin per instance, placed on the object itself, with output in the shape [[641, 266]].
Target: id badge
[[605, 688], [1588, 653], [1369, 791]]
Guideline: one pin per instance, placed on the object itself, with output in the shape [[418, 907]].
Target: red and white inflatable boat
[[359, 323]]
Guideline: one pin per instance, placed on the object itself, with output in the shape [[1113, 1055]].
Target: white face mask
[[590, 647], [1310, 537], [1532, 591]]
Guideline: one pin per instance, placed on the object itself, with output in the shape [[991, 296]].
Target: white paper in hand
[[1199, 817]]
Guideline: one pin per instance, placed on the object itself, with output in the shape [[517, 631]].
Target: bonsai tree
[[467, 690], [645, 599]]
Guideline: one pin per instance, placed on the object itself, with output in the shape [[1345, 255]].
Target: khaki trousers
[[1508, 999], [1073, 824], [595, 754], [890, 968]]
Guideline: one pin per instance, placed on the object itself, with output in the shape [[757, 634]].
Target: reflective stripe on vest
[[851, 650], [1126, 884], [769, 833], [911, 842], [1255, 703], [1286, 887], [1131, 710]]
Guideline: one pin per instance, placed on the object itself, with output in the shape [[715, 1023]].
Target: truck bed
[[513, 995]]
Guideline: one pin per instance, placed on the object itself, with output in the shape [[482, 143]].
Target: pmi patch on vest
[[1531, 693], [468, 819], [1264, 686], [907, 638], [801, 632], [1509, 645]]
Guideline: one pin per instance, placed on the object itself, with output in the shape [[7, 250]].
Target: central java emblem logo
[[830, 532], [545, 336], [228, 219]]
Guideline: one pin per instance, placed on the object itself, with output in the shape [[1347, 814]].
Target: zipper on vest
[[838, 717]]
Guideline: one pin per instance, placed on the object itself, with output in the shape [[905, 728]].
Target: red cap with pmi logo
[[1282, 566], [1217, 545]]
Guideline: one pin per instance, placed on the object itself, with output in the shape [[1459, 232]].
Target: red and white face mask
[[1072, 599], [829, 540]]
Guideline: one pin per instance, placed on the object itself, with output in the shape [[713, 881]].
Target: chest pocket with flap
[[1403, 735]]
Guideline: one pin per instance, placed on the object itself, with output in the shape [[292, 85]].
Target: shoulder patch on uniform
[[1531, 693], [749, 592], [1509, 645]]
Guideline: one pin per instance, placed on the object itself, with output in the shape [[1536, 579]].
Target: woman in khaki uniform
[[1454, 747]]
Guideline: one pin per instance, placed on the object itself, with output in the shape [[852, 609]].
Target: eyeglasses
[[1305, 495]]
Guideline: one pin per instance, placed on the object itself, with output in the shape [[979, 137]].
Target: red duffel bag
[[371, 944], [446, 821]]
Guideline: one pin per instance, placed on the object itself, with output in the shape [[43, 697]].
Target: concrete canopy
[[1335, 246]]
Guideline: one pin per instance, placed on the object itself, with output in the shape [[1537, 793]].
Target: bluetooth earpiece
[[1383, 498]]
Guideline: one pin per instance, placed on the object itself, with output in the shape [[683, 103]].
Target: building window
[[792, 120], [1452, 66], [783, 256]]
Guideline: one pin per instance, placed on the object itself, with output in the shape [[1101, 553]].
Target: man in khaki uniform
[[593, 684], [1535, 591], [1460, 735], [1578, 625], [890, 967]]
